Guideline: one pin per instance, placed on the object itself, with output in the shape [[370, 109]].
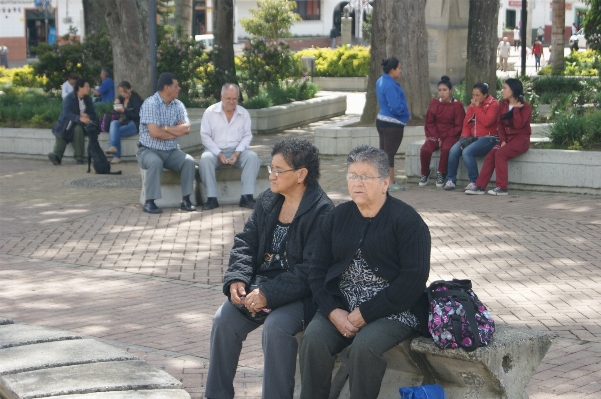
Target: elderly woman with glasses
[[266, 281], [368, 272]]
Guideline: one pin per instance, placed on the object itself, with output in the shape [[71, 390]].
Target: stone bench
[[566, 171], [498, 371], [228, 186], [40, 362]]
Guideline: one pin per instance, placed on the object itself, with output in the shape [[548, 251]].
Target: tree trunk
[[482, 45], [558, 38], [93, 15], [127, 22], [183, 16], [223, 31], [399, 30]]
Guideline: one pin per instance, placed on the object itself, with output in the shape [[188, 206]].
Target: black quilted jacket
[[249, 248]]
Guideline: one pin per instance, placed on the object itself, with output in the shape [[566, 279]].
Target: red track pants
[[497, 160], [431, 145]]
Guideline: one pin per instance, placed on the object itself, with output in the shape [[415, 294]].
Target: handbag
[[260, 316], [423, 392], [457, 317], [105, 121], [123, 119]]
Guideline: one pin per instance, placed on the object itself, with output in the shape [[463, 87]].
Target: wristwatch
[[165, 127]]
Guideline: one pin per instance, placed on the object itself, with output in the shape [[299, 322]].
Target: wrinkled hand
[[233, 159], [339, 318], [255, 301], [222, 159], [356, 319], [84, 118], [238, 290]]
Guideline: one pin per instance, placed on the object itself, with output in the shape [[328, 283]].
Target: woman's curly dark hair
[[298, 154]]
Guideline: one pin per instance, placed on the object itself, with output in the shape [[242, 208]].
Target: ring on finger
[[344, 335]]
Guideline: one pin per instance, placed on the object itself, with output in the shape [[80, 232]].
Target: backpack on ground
[[423, 392], [455, 314], [96, 156]]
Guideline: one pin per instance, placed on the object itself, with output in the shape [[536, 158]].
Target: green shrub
[[182, 57], [557, 84], [579, 129], [262, 100], [281, 93], [578, 63], [340, 62], [26, 107]]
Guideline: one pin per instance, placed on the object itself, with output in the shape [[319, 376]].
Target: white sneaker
[[424, 180], [498, 191], [470, 186], [450, 185]]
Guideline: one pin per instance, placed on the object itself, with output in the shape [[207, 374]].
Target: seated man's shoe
[[210, 204], [246, 201], [186, 205], [53, 158], [112, 150], [150, 207]]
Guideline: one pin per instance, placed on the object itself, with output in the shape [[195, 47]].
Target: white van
[[207, 40]]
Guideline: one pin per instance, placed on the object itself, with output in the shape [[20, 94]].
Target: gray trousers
[[155, 160], [248, 161], [322, 341], [230, 329]]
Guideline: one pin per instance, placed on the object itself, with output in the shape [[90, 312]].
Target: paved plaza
[[77, 253]]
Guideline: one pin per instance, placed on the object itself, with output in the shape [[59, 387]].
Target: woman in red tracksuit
[[514, 135], [444, 121]]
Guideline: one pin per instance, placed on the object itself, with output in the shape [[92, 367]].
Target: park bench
[[228, 186], [498, 371], [39, 362]]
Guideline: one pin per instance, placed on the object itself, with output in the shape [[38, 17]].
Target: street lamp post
[[45, 6]]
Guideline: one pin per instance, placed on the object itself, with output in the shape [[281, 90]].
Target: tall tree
[[592, 25], [223, 54], [399, 30], [558, 35], [482, 44], [271, 19], [127, 22], [93, 15], [183, 16]]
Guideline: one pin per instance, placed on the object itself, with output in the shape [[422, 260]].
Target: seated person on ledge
[[225, 133], [163, 118], [128, 105], [77, 111], [368, 272]]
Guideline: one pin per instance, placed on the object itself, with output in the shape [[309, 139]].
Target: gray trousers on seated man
[[248, 161], [155, 160]]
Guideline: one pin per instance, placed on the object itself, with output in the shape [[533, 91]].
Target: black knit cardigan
[[396, 246]]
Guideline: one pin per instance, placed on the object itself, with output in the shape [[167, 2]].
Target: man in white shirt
[[516, 37], [540, 32], [225, 133], [68, 85], [503, 53]]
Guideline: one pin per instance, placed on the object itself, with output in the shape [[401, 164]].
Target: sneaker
[[424, 180], [439, 179], [395, 187], [498, 191], [470, 186], [450, 185], [476, 190]]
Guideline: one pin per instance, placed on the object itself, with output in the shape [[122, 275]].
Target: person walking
[[514, 135], [444, 122], [503, 50], [3, 55], [333, 35], [393, 115], [516, 38], [540, 32], [537, 51]]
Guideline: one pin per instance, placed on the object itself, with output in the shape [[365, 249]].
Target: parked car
[[581, 39], [207, 40]]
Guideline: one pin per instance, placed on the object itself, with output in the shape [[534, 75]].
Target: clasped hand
[[228, 161], [254, 301], [348, 324]]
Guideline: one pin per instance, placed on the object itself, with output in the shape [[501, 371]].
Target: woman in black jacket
[[77, 112], [128, 105], [266, 281], [368, 272]]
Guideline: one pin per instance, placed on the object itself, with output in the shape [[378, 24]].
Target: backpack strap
[[470, 315]]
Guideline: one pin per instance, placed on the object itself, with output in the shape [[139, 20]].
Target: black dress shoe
[[186, 205], [150, 207], [210, 204], [53, 158], [246, 201]]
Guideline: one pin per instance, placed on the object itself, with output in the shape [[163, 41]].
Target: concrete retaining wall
[[341, 84], [340, 138], [566, 171]]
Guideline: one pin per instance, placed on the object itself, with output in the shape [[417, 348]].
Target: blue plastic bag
[[423, 392]]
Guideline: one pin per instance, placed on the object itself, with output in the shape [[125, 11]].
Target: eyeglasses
[[277, 172], [364, 178]]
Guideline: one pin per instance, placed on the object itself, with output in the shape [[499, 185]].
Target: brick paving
[[86, 259]]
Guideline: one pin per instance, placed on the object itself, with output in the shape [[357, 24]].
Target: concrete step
[[150, 394], [21, 334], [57, 354], [4, 321], [85, 378]]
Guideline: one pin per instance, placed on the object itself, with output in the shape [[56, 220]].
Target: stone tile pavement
[[77, 253]]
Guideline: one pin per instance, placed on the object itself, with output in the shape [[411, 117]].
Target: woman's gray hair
[[372, 156]]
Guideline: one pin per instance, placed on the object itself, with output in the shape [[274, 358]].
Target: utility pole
[[152, 43], [523, 34]]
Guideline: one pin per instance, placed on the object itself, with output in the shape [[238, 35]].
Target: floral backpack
[[455, 314]]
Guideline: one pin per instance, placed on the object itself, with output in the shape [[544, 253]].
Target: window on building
[[308, 10]]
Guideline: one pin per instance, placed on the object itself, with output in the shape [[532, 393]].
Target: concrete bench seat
[[566, 171], [498, 371], [44, 362]]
